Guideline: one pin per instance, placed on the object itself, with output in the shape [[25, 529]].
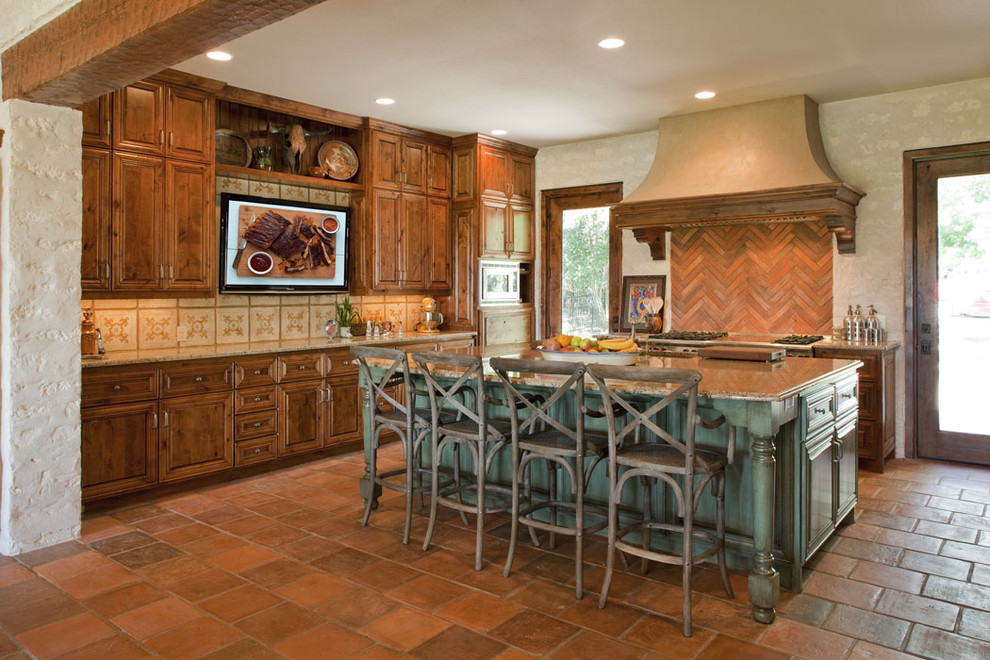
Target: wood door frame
[[913, 160], [579, 197]]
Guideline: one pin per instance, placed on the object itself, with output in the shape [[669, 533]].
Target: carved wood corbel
[[844, 229], [655, 238]]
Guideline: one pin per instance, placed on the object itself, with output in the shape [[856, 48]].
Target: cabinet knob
[[257, 425], [257, 450], [257, 372], [302, 367], [198, 379], [257, 399], [820, 411], [116, 388], [846, 395]]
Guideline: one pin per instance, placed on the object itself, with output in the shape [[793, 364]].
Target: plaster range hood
[[758, 162]]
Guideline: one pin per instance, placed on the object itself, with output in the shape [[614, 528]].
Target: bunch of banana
[[627, 345]]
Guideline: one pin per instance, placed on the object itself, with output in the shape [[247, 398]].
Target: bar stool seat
[[647, 455]]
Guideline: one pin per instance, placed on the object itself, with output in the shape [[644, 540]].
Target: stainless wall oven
[[499, 283]]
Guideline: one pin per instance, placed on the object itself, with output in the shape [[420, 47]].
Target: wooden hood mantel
[[752, 163]]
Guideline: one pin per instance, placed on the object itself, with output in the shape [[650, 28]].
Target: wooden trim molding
[[97, 46]]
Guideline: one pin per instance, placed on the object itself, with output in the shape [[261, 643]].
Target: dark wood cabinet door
[[139, 118], [196, 435], [465, 269], [463, 171], [386, 235], [96, 123], [493, 229], [119, 448], [414, 166], [189, 124], [189, 226], [137, 223], [438, 170], [520, 226], [438, 270], [413, 241], [344, 420], [301, 416], [95, 264], [494, 172], [386, 160], [522, 179]]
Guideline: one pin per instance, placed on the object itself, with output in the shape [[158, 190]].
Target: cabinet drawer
[[341, 363], [196, 377], [300, 366], [820, 409], [253, 425], [258, 450], [254, 399], [846, 396], [455, 344], [255, 371], [869, 400], [103, 386]]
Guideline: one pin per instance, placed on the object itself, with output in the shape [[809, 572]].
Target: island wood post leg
[[764, 581], [367, 482]]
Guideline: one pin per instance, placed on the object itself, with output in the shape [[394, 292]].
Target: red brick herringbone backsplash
[[752, 278]]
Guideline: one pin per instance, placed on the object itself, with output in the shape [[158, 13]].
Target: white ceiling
[[533, 67]]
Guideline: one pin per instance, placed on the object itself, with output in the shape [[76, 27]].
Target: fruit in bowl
[[574, 343]]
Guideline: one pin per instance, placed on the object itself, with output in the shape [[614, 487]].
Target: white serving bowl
[[617, 359]]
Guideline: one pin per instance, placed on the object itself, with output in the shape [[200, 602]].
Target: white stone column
[[40, 247]]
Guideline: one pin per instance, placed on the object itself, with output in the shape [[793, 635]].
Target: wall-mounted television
[[277, 245]]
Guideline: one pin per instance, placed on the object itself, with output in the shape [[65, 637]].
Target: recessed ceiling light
[[384, 101], [611, 42], [499, 131], [705, 95], [219, 55]]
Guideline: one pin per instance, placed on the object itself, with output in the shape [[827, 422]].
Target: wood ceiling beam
[[98, 46]]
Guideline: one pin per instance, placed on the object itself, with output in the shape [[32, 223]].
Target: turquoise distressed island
[[793, 478]]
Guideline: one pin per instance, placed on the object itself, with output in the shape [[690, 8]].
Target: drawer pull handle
[[820, 411], [302, 367], [257, 399], [257, 372], [257, 450], [116, 388], [198, 379], [257, 425], [846, 395]]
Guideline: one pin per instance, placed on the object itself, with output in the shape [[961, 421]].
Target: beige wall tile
[[119, 329], [119, 303], [263, 189], [265, 301], [318, 317], [414, 314], [343, 198], [156, 328], [322, 196], [325, 299], [395, 312], [200, 326], [232, 325], [295, 322], [297, 193], [197, 302], [232, 300], [264, 323], [157, 303], [232, 185], [372, 312]]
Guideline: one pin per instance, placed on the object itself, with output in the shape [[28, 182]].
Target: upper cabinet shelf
[[284, 177]]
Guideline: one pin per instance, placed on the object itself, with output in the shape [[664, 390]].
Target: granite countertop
[[829, 342], [116, 358], [721, 379]]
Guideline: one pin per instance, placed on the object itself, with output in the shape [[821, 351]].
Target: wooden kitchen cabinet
[[399, 239], [161, 119], [507, 230], [94, 269], [96, 122], [303, 411], [506, 173], [344, 420], [438, 244], [508, 324], [189, 133], [399, 163], [189, 236], [196, 435], [138, 222], [119, 448]]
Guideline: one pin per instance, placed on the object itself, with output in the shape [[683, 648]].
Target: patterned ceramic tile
[[118, 328], [265, 301], [297, 193], [414, 314], [325, 299], [343, 198], [197, 302], [322, 196], [232, 325], [231, 300], [373, 312], [122, 303], [372, 300], [395, 312], [264, 324], [157, 303], [263, 189], [200, 326], [157, 328], [231, 184], [318, 317], [295, 322]]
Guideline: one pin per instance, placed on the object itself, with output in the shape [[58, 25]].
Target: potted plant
[[348, 318]]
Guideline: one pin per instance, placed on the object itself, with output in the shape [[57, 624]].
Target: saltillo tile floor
[[278, 566]]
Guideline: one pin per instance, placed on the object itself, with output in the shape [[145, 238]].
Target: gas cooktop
[[799, 340], [689, 336]]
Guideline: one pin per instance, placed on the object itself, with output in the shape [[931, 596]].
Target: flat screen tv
[[279, 245]]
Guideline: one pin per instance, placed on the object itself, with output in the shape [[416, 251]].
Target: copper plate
[[338, 159], [232, 148]]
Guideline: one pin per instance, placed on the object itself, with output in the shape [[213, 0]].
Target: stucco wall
[[865, 140]]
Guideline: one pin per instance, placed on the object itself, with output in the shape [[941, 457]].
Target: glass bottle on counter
[[847, 325], [872, 325], [859, 324]]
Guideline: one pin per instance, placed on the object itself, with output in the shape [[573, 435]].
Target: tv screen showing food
[[281, 245]]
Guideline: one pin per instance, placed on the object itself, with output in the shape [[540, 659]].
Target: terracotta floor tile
[[831, 563], [959, 506], [613, 620], [206, 584], [933, 643], [221, 514], [38, 603], [309, 548], [919, 609], [132, 514], [384, 575], [965, 552], [428, 592], [953, 532], [478, 611], [328, 642], [69, 567], [445, 564], [726, 647], [243, 558], [974, 623], [186, 534], [935, 565], [658, 598], [842, 590], [147, 555], [191, 504], [806, 641], [239, 603], [212, 546], [961, 593], [277, 573], [108, 648], [314, 589], [173, 571], [279, 623], [247, 525], [805, 608], [379, 652], [404, 628], [156, 617], [877, 628], [51, 553], [192, 640], [667, 636], [98, 581], [490, 579], [864, 650], [357, 608], [64, 634], [161, 523], [14, 573], [877, 552], [276, 507], [922, 513], [123, 542], [981, 574], [100, 527], [888, 576], [125, 599], [458, 642], [727, 617], [276, 535], [588, 645], [345, 562], [244, 649]]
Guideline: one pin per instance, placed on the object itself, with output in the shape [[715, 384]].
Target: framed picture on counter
[[636, 291]]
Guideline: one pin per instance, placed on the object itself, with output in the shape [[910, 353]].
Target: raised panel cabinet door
[[94, 268], [189, 124], [358, 277], [413, 166], [522, 179], [137, 223], [494, 237], [439, 269], [819, 505], [494, 172], [386, 234], [414, 241], [139, 118], [96, 124], [344, 420], [438, 170], [189, 226], [846, 459], [521, 236], [465, 269], [463, 172], [196, 435], [119, 448], [386, 160], [301, 416]]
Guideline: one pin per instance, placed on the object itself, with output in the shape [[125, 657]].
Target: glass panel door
[[584, 272]]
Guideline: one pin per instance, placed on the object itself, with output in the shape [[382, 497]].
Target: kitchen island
[[793, 480]]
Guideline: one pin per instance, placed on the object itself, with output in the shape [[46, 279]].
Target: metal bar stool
[[662, 459], [394, 413], [482, 437], [541, 436]]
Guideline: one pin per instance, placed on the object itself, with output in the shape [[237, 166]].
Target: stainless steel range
[[686, 344]]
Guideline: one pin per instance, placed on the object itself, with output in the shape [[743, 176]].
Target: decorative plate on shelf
[[338, 159], [616, 359], [232, 148]]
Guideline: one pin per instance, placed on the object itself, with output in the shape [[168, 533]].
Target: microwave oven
[[499, 283]]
